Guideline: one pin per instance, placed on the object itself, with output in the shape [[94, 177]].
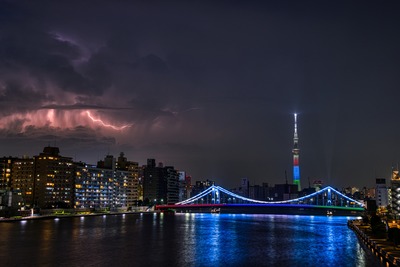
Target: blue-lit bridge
[[327, 201]]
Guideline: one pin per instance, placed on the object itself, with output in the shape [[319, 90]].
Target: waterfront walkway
[[378, 244]]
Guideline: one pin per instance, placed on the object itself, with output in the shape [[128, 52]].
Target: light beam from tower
[[296, 152]]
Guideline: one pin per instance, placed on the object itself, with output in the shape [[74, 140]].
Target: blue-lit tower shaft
[[296, 151]]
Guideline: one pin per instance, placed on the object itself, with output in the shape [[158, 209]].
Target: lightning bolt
[[118, 128]]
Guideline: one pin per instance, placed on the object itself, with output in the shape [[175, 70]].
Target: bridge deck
[[300, 209]]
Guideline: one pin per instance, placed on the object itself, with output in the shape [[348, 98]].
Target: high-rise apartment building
[[6, 164], [200, 186], [125, 188], [94, 187], [261, 192], [54, 179], [45, 181], [188, 186], [381, 193], [185, 186], [395, 192], [154, 183], [132, 184], [23, 180], [160, 184], [172, 178], [107, 188]]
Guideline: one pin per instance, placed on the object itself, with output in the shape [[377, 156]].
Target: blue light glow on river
[[183, 240]]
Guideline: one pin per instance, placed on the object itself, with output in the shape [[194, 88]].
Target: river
[[183, 240]]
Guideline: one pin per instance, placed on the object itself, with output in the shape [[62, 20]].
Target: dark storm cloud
[[80, 133], [42, 56], [80, 106], [211, 86], [81, 139], [37, 59], [16, 96]]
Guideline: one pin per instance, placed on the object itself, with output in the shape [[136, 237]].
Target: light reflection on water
[[183, 240]]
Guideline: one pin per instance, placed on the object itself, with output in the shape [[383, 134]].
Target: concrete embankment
[[379, 245]]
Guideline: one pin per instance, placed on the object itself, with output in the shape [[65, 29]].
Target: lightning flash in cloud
[[118, 128]]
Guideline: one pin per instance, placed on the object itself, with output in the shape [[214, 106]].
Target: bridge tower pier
[[329, 200], [215, 196]]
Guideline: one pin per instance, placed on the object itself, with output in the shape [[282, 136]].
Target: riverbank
[[59, 216], [379, 245]]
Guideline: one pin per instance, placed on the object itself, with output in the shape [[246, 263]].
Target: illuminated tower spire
[[295, 151]]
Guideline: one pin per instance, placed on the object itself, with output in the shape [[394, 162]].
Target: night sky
[[209, 87]]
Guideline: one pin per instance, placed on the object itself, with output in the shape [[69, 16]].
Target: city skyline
[[210, 88]]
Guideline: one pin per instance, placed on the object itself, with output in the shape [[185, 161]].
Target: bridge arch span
[[325, 201]]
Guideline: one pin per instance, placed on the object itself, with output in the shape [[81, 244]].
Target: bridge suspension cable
[[311, 198]]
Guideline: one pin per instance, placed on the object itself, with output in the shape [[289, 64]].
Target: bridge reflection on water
[[327, 201]]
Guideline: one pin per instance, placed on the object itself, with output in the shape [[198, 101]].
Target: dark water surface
[[183, 240]]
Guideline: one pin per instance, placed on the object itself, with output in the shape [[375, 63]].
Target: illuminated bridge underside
[[326, 201]]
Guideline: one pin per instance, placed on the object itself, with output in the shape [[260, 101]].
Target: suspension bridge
[[327, 201]]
